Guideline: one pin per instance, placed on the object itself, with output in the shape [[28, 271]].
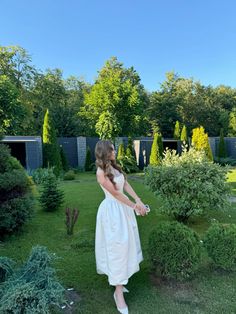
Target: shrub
[[51, 197], [220, 242], [6, 268], [174, 250], [226, 161], [40, 175], [69, 175], [126, 159], [188, 184], [33, 287], [71, 218], [16, 194]]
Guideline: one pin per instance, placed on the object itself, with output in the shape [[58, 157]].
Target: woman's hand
[[141, 209]]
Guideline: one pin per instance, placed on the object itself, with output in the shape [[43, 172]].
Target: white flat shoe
[[124, 310]]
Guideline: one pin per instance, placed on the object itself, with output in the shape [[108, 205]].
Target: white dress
[[117, 244]]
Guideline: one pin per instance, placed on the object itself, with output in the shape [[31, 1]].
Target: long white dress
[[117, 245]]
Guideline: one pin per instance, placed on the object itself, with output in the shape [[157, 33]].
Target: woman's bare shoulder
[[99, 171]]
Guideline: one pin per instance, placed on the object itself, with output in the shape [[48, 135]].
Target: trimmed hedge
[[174, 250], [220, 242]]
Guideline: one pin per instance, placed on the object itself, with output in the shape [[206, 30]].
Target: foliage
[[188, 184], [129, 152], [184, 135], [6, 268], [222, 147], [200, 141], [33, 287], [174, 250], [40, 175], [220, 242], [116, 97], [12, 111], [156, 150], [232, 122], [177, 131], [51, 197], [121, 151], [226, 161], [69, 175], [51, 152], [16, 197], [88, 160], [127, 161], [71, 218]]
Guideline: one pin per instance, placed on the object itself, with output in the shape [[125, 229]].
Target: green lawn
[[211, 291]]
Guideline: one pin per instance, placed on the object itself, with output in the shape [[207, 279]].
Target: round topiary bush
[[16, 193], [174, 250], [220, 242]]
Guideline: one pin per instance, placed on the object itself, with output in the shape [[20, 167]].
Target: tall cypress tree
[[129, 149], [177, 131], [51, 152], [156, 150], [121, 152], [201, 142], [184, 135], [222, 147]]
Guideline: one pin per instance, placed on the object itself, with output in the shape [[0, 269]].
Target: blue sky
[[194, 38]]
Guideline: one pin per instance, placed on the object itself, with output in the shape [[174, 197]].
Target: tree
[[11, 110], [232, 123], [121, 152], [116, 103], [222, 147], [129, 149], [177, 131], [156, 153], [200, 141], [51, 197], [184, 135], [51, 153], [107, 126]]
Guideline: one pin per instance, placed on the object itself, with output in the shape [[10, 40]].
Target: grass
[[210, 291]]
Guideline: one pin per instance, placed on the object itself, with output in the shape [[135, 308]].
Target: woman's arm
[[128, 188], [107, 184]]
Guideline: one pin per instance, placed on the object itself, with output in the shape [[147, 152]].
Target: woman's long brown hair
[[103, 151]]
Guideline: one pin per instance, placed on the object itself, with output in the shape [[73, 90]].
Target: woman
[[117, 245]]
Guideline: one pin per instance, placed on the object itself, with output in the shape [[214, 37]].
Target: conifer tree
[[184, 135], [200, 141], [51, 197], [156, 150], [121, 152], [51, 152], [129, 149], [177, 131]]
